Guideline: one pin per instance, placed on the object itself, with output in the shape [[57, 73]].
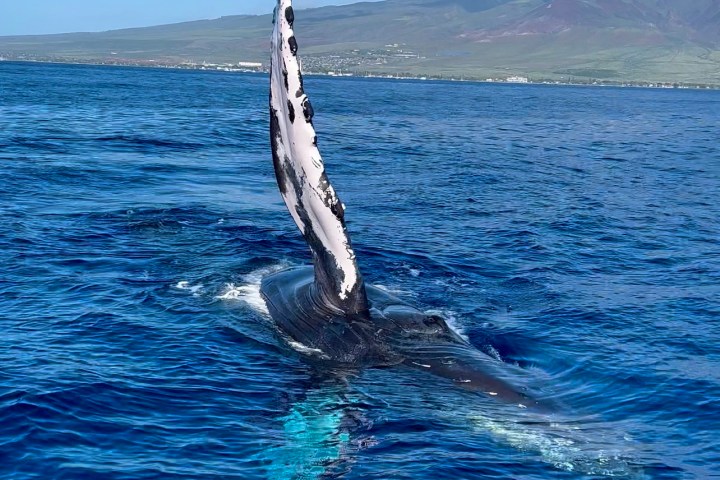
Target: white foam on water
[[394, 291], [305, 350], [492, 351], [452, 321], [566, 447], [231, 292], [413, 271], [194, 289], [248, 292]]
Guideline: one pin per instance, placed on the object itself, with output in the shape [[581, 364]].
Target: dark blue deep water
[[572, 231]]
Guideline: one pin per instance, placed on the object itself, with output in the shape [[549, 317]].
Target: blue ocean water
[[572, 231]]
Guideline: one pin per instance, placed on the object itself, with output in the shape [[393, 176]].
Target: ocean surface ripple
[[571, 231]]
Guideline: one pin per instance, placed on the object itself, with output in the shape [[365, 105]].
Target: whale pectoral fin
[[300, 173], [314, 438], [470, 369]]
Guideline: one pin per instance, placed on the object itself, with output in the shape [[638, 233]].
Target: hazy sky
[[29, 17]]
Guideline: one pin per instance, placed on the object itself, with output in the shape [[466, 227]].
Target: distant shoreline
[[212, 68]]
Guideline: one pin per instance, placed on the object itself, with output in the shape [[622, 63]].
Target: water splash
[[573, 447], [305, 350], [196, 290], [394, 290], [451, 320], [248, 291]]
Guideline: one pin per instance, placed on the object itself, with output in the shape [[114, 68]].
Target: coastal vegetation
[[658, 42]]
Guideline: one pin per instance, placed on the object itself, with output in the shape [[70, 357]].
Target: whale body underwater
[[327, 307]]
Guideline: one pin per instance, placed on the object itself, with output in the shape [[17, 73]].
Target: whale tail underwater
[[328, 308]]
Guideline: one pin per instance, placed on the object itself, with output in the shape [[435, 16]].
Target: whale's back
[[322, 331], [392, 332]]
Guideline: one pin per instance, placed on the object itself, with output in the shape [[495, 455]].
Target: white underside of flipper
[[300, 171]]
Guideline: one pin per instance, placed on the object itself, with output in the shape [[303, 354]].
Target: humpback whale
[[327, 307]]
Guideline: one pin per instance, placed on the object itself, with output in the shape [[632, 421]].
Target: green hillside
[[618, 40]]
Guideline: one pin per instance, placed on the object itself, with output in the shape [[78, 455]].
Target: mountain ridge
[[650, 40]]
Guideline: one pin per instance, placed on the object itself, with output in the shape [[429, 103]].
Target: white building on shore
[[249, 65]]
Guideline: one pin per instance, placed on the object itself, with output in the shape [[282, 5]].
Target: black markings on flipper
[[312, 204], [338, 210], [276, 140], [329, 199], [291, 111], [308, 110], [293, 45], [290, 15], [285, 78]]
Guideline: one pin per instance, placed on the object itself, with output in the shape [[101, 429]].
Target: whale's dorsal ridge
[[301, 176]]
